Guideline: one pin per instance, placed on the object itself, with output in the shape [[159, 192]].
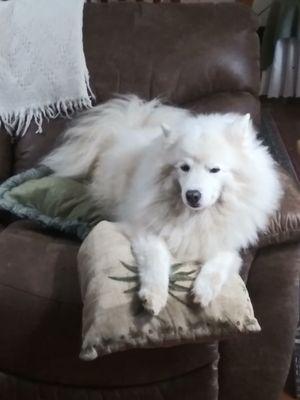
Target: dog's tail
[[94, 132]]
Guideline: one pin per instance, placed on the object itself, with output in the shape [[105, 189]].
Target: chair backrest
[[201, 56]]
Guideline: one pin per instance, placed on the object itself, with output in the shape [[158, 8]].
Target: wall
[[259, 6]]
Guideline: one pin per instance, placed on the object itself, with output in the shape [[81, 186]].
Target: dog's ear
[[242, 123], [167, 134], [246, 120], [166, 130], [242, 129]]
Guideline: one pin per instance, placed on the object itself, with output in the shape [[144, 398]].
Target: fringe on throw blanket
[[17, 123]]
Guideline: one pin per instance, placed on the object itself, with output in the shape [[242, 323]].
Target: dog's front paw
[[206, 288], [154, 300]]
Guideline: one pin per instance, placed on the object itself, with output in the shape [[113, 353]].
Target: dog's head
[[206, 156]]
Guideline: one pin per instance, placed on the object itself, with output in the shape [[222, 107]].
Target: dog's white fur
[[134, 151]]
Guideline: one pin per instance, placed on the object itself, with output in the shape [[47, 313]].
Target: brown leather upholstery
[[6, 155], [203, 57], [201, 384], [285, 226], [256, 367], [171, 51], [29, 149]]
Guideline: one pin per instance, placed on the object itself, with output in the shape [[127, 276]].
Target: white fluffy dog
[[190, 187]]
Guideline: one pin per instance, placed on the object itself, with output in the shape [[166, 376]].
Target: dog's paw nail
[[153, 301], [206, 289], [204, 302], [202, 295]]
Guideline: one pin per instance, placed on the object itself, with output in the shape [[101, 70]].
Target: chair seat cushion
[[40, 314]]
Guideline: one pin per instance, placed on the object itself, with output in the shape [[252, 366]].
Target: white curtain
[[282, 78]]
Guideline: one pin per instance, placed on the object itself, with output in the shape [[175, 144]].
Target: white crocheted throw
[[43, 73]]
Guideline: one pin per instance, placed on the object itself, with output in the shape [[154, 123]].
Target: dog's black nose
[[193, 197]]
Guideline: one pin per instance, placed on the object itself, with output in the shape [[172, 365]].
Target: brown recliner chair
[[203, 57]]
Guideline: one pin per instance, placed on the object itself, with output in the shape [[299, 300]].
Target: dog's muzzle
[[193, 198]]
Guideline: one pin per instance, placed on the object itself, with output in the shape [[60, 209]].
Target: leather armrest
[[5, 155], [285, 224], [6, 218]]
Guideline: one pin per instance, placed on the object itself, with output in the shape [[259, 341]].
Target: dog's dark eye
[[214, 170], [185, 167]]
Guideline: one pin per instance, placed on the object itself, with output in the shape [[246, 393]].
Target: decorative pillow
[[57, 203], [114, 318]]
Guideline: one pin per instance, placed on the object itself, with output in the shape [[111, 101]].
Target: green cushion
[[58, 203]]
